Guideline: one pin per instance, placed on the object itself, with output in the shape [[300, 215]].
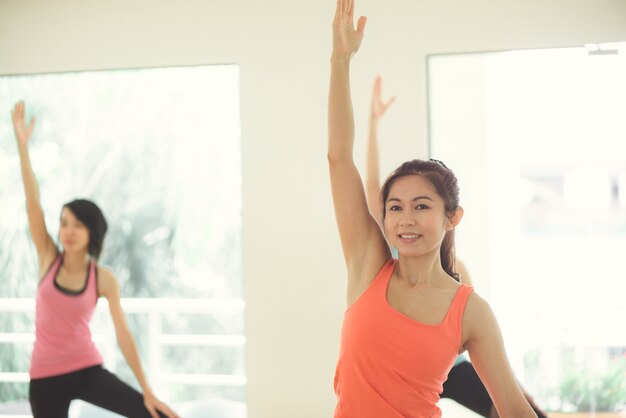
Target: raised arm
[[378, 109], [46, 249], [486, 349], [363, 243], [109, 288]]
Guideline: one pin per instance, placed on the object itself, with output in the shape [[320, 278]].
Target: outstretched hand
[[347, 40], [22, 132], [379, 108], [153, 404]]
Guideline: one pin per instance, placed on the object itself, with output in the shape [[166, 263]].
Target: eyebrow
[[395, 199]]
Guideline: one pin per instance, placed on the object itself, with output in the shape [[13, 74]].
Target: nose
[[407, 220]]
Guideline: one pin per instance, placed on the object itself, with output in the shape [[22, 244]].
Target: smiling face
[[415, 217], [73, 234]]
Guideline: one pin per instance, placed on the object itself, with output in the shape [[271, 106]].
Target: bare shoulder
[[476, 306], [478, 317], [107, 283]]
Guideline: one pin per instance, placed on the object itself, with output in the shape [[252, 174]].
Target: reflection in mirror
[[159, 150], [538, 141]]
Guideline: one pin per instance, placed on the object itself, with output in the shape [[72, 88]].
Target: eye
[[394, 208], [421, 206]]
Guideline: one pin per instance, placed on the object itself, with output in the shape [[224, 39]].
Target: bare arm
[[484, 343], [372, 173], [109, 288], [363, 243], [46, 250]]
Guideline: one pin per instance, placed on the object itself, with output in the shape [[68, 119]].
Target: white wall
[[293, 268]]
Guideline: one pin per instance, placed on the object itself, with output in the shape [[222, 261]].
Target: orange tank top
[[392, 366]]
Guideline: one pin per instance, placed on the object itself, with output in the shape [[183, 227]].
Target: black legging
[[50, 397], [465, 387]]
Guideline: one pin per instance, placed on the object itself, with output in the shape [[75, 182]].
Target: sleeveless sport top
[[392, 366], [63, 341]]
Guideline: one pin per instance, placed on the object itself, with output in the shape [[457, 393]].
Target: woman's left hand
[[153, 404]]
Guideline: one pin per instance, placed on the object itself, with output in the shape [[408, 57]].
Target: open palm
[[22, 132], [379, 108], [346, 40]]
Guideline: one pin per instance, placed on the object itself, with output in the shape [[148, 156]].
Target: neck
[[75, 261], [425, 270]]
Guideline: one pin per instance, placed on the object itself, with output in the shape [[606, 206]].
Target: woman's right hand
[[22, 132], [379, 108], [346, 40], [153, 404]]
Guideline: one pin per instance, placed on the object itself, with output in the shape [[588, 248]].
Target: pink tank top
[[63, 341], [392, 366]]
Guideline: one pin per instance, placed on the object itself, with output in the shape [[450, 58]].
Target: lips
[[409, 238]]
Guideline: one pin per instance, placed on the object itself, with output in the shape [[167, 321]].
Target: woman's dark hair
[[92, 217], [445, 183]]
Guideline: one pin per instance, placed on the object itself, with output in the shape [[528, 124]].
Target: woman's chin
[[74, 249]]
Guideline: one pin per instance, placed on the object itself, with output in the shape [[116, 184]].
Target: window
[[538, 142], [159, 151]]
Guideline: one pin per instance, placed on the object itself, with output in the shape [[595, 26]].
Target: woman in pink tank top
[[65, 363], [407, 319]]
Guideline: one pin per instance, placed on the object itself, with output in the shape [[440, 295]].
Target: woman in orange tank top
[[463, 384], [407, 319]]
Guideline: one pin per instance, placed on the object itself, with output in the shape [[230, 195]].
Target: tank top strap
[[455, 314], [384, 274], [93, 276], [92, 269], [53, 268]]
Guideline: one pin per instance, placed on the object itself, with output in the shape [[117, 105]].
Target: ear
[[454, 220]]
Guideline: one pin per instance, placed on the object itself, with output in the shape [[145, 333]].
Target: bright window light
[[159, 150], [537, 140]]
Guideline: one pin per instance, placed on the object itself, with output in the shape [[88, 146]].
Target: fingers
[[342, 8], [385, 106], [360, 27], [18, 111], [377, 86], [390, 102], [152, 410], [345, 8], [167, 411]]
